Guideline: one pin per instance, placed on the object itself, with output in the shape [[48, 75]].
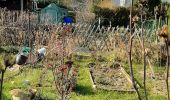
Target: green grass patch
[[84, 90]]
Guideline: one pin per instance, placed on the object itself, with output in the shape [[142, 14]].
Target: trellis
[[23, 28]]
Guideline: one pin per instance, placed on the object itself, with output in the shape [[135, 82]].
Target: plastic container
[[42, 51], [21, 59], [25, 51]]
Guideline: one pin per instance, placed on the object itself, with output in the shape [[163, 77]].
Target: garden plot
[[110, 78]]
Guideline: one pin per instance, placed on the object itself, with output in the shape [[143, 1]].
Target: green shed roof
[[52, 14], [54, 6]]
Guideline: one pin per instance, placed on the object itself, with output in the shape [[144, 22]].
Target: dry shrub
[[120, 51], [65, 79], [120, 55], [137, 52], [164, 31], [155, 53], [158, 55], [120, 47], [11, 36], [152, 51]]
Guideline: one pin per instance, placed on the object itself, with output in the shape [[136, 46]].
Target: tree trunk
[[167, 68], [130, 54], [1, 87]]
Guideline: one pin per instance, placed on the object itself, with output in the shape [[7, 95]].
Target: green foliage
[[158, 97], [2, 65], [44, 3], [118, 16], [152, 4], [121, 16], [149, 9], [13, 50], [6, 60], [9, 60]]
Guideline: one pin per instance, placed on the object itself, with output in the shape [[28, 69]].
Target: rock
[[91, 65], [26, 82], [81, 53], [15, 68], [18, 94], [94, 86], [81, 50]]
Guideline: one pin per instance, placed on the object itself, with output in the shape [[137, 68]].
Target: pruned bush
[[65, 79]]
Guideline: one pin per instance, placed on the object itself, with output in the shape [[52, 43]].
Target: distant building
[[122, 3], [52, 14], [114, 3]]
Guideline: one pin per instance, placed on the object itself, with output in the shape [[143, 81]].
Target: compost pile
[[110, 77]]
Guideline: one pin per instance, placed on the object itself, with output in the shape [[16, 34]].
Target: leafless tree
[[130, 53]]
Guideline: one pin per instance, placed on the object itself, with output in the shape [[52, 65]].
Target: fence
[[22, 29]]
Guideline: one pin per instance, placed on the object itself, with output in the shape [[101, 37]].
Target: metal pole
[[99, 21], [110, 23], [22, 9]]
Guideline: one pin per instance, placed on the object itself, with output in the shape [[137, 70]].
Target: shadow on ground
[[84, 90]]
